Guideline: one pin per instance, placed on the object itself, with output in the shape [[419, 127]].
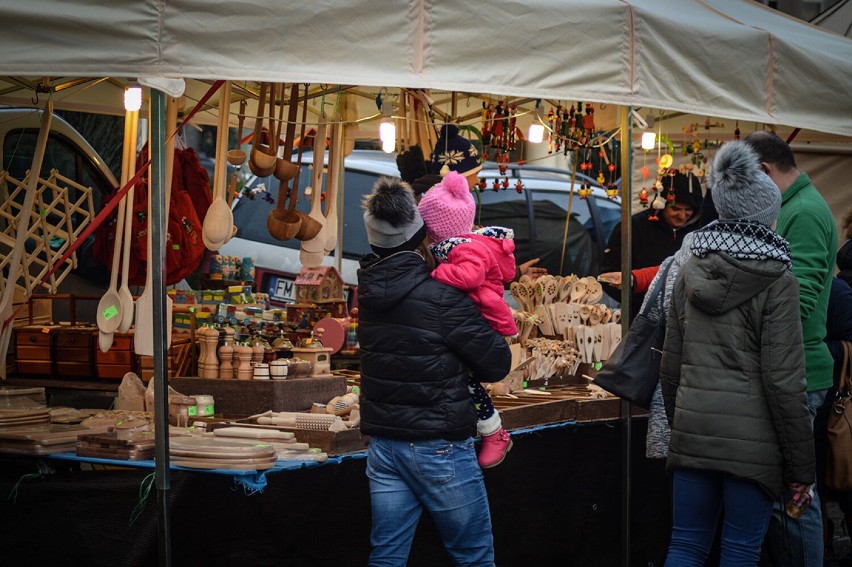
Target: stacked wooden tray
[[24, 416], [213, 453], [137, 447], [43, 439]]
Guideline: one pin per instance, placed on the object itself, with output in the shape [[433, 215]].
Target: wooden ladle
[[284, 223], [285, 169], [312, 224], [237, 157], [263, 157]]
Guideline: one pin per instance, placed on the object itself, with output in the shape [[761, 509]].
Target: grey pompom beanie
[[391, 218], [741, 190]]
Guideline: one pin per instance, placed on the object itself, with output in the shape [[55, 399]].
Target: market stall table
[[554, 501]]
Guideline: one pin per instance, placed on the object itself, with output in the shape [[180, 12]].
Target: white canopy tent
[[730, 58]]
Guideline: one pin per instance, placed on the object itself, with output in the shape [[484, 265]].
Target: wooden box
[[74, 351], [333, 442], [240, 398], [34, 349], [118, 360], [180, 362]]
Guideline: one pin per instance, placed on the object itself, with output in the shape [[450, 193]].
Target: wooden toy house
[[321, 284]]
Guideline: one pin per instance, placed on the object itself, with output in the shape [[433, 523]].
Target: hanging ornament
[[503, 162], [600, 178], [643, 197], [505, 183], [487, 121], [612, 191], [519, 186], [496, 185], [513, 126]]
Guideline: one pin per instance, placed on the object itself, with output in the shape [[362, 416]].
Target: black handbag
[[633, 369]]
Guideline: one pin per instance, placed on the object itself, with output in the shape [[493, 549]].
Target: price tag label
[[110, 312]]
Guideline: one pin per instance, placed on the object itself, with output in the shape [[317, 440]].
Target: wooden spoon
[[108, 315], [312, 252], [127, 305], [219, 220], [334, 167]]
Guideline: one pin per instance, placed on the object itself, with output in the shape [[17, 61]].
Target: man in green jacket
[[808, 225]]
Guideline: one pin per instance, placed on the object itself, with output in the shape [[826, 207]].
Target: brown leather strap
[[846, 369]]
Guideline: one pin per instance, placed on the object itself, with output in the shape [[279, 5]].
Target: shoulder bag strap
[[658, 293]]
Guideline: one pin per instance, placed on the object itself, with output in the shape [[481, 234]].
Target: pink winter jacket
[[479, 263]]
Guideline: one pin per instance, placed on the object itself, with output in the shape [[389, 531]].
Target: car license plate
[[281, 289]]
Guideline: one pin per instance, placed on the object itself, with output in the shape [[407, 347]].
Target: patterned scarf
[[742, 240]]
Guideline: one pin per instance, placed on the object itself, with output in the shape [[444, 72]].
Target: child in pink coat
[[478, 262]]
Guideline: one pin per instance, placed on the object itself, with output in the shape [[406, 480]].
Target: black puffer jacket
[[733, 372], [844, 262], [418, 339], [652, 242]]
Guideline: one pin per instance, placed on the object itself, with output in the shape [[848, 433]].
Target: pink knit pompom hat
[[448, 208]]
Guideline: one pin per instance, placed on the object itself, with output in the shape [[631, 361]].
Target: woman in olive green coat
[[733, 373]]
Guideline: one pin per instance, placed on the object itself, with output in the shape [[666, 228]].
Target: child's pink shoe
[[494, 448]]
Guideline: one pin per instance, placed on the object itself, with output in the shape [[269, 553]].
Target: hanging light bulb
[[133, 99], [387, 127], [536, 132], [387, 134], [649, 139]]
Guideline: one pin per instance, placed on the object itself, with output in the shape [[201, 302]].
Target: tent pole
[[626, 292], [157, 255]]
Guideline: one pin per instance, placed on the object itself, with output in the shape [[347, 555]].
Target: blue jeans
[[798, 543], [700, 497], [441, 476]]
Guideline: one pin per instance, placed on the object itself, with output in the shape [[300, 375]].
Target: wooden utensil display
[[6, 312]]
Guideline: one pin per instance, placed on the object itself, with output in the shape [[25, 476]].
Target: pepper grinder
[[257, 353], [226, 368], [210, 368], [202, 351], [244, 370]]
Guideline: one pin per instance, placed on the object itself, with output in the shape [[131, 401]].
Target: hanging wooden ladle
[[237, 157], [313, 222], [285, 169], [263, 157], [283, 222]]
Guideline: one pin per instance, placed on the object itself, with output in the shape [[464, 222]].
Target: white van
[[537, 214], [70, 154]]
